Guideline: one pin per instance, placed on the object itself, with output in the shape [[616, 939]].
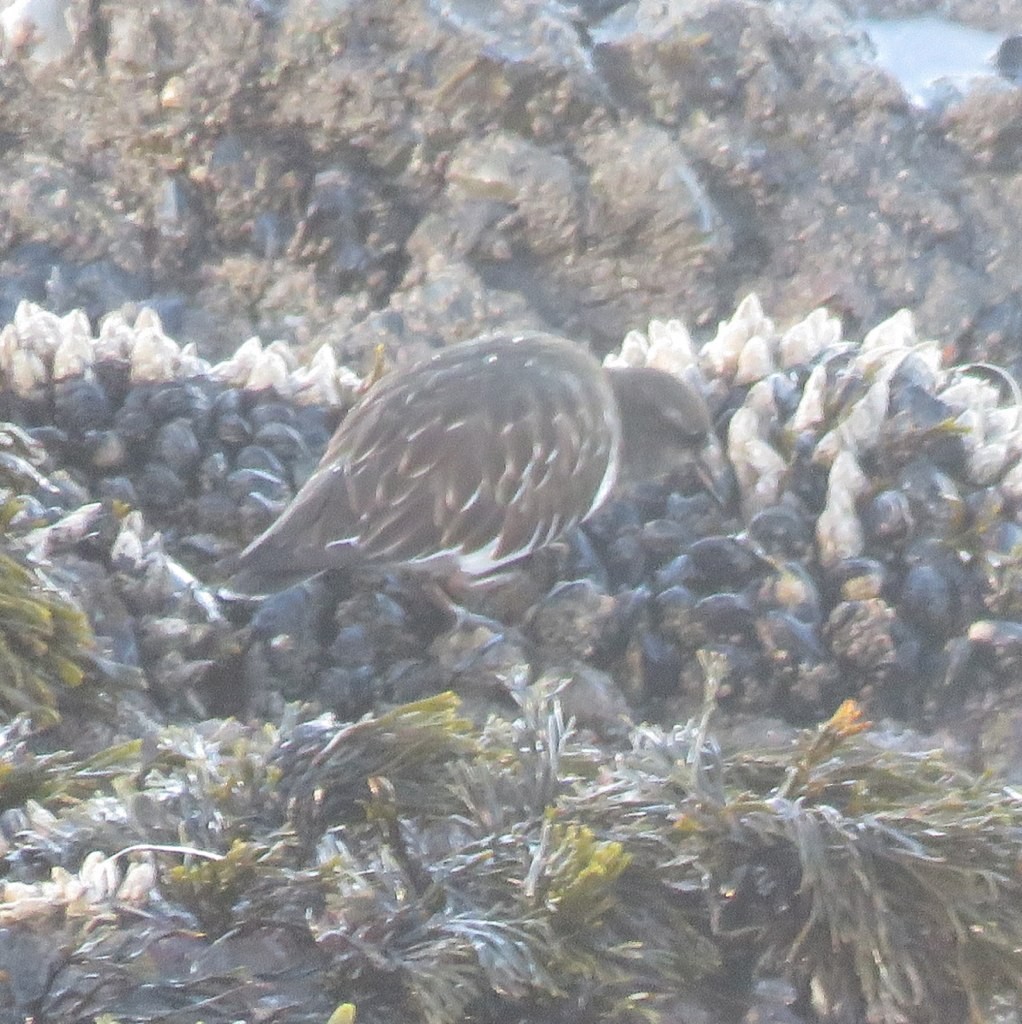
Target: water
[[932, 56]]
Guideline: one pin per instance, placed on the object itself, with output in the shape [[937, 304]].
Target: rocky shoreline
[[327, 806], [864, 548]]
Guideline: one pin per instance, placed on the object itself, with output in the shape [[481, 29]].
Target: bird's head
[[665, 423]]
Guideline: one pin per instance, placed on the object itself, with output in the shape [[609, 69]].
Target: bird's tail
[[269, 573], [308, 539]]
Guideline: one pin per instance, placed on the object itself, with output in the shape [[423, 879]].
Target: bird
[[473, 458]]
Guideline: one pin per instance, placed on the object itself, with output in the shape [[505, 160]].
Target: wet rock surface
[[412, 172]]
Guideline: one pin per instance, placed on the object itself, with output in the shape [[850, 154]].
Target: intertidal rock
[[879, 478], [864, 518]]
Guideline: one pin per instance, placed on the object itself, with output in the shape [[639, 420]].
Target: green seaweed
[[45, 639], [210, 888], [423, 869], [45, 643]]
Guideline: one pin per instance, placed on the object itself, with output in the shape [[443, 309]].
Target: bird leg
[[458, 601]]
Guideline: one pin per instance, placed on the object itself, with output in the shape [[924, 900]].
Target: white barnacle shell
[[802, 342], [321, 381], [25, 370], [969, 392], [128, 550], [991, 432], [138, 883], [98, 881], [319, 373], [750, 317], [116, 338], [633, 351], [154, 356], [719, 356], [759, 468], [762, 400], [755, 417], [983, 398], [26, 349], [893, 342], [23, 901], [670, 347], [897, 331], [986, 462], [743, 430], [237, 370], [286, 352], [839, 533], [722, 354], [861, 428], [100, 877], [666, 345], [148, 319], [811, 409], [38, 329], [755, 361], [766, 469], [270, 373], [75, 323], [846, 482], [76, 350], [191, 363], [8, 346]]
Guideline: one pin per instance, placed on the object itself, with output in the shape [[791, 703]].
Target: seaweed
[[905, 897], [417, 867], [46, 642]]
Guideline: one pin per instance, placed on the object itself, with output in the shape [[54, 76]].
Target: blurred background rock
[[410, 171]]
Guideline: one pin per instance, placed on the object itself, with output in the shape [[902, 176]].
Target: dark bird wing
[[484, 454], [476, 457]]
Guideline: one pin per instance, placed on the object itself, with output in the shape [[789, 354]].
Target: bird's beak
[[714, 470]]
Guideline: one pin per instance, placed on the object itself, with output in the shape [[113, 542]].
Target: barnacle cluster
[[40, 350], [131, 415], [877, 544], [148, 458], [863, 539]]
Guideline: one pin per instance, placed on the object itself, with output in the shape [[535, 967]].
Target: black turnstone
[[475, 457]]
